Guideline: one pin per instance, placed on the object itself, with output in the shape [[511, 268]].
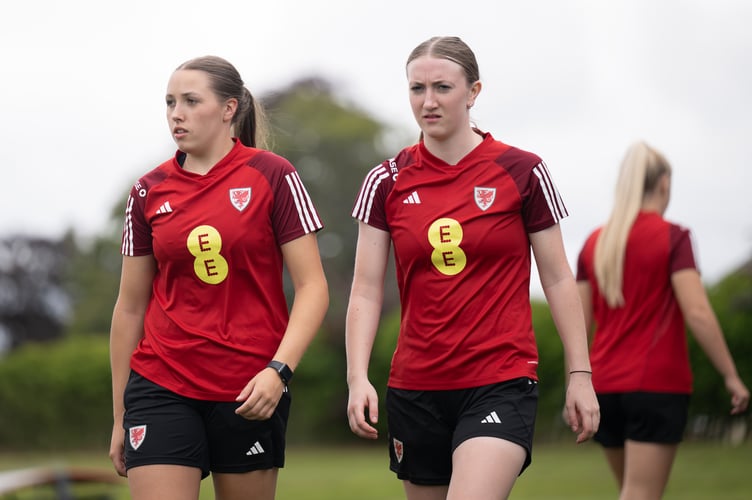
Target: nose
[[429, 99], [174, 113]]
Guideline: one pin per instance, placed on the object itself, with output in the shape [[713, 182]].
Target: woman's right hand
[[363, 409], [739, 394], [117, 448]]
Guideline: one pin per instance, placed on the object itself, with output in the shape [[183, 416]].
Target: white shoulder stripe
[[309, 219], [364, 203], [127, 245], [553, 199]]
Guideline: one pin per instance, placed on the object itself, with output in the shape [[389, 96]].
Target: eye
[[170, 102], [191, 101], [416, 88], [443, 87]]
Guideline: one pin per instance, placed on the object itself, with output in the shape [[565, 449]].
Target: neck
[[202, 163], [453, 149], [653, 204]]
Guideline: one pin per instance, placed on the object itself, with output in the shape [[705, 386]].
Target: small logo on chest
[[240, 198], [484, 197]]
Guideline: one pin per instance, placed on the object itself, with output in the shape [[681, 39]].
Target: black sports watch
[[284, 371]]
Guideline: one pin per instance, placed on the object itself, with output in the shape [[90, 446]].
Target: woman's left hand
[[260, 396], [581, 411]]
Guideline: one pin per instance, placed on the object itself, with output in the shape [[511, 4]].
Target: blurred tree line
[[66, 289]]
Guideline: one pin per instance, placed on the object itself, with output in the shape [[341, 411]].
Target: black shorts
[[162, 427], [425, 427], [649, 417]]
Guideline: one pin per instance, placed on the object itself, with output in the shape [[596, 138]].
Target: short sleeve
[[682, 255]]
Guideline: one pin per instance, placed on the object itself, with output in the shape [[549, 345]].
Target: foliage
[[56, 395], [320, 389], [731, 300], [33, 302], [550, 371], [332, 145]]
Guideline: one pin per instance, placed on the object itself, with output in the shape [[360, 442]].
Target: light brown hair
[[249, 121]]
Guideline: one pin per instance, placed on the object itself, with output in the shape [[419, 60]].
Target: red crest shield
[[240, 198], [484, 197], [398, 448], [136, 435]]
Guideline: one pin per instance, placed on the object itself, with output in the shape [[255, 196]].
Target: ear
[[665, 183], [473, 94], [663, 190], [230, 108]]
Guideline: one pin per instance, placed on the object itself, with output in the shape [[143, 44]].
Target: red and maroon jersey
[[218, 309], [642, 346], [462, 253]]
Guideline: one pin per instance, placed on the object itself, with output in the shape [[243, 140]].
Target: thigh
[[422, 492], [420, 438], [238, 445], [485, 467], [263, 484], [505, 411], [164, 482], [647, 468], [162, 427]]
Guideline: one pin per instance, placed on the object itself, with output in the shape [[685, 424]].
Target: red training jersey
[[642, 346], [218, 311], [462, 253]]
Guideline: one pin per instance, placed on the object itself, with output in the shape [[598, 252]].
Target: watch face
[[284, 371]]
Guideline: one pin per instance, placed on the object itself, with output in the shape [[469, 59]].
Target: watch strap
[[284, 371]]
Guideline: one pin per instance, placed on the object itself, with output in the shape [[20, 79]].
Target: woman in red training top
[[639, 285], [202, 346], [462, 211]]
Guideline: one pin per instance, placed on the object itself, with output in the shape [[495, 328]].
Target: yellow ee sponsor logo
[[205, 243], [445, 236]]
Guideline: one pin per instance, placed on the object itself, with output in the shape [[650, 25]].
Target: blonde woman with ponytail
[[640, 289]]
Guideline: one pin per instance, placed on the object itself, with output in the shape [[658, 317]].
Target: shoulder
[[406, 157], [276, 169], [512, 155], [591, 240], [152, 178], [388, 170], [263, 159], [521, 165], [509, 156], [656, 222]]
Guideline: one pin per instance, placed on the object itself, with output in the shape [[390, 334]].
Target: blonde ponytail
[[640, 170]]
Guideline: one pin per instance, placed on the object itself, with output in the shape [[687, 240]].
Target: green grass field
[[562, 471]]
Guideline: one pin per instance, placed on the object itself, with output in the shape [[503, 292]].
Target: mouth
[[179, 132]]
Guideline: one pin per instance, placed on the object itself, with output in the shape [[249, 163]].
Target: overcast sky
[[576, 82]]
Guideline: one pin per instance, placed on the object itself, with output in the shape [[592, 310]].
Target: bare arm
[[263, 392], [559, 286], [126, 331], [363, 312], [702, 322], [583, 287]]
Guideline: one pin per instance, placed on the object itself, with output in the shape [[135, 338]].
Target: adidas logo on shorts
[[256, 449], [492, 418]]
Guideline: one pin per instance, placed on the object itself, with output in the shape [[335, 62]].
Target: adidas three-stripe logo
[[492, 418], [413, 199], [256, 449], [164, 209]]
